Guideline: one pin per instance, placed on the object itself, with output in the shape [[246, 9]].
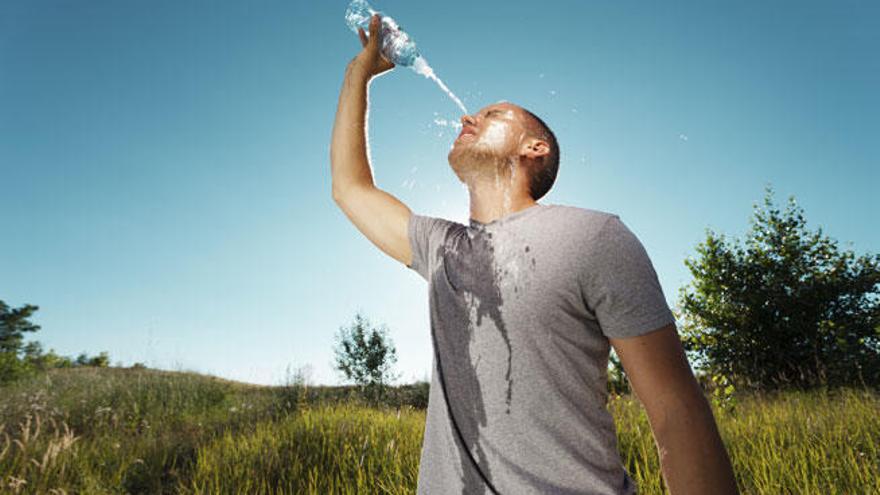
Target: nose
[[468, 120]]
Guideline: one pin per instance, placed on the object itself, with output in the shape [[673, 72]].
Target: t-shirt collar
[[506, 218]]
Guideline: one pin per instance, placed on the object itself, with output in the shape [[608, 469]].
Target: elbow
[[683, 406], [338, 192], [341, 191], [684, 418]]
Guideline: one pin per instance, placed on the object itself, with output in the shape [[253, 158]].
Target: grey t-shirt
[[520, 310]]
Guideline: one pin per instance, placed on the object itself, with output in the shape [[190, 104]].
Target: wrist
[[357, 72]]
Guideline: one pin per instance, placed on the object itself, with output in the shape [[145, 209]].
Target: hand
[[370, 60]]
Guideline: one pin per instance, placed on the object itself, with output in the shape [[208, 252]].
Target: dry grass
[[100, 431]]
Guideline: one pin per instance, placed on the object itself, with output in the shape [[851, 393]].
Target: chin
[[459, 164], [453, 164], [455, 156]]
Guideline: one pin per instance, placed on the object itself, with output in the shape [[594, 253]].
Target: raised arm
[[381, 217], [348, 148]]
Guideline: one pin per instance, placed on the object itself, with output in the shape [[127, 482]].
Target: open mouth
[[467, 133]]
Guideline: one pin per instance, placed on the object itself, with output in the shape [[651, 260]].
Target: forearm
[[348, 149], [692, 456]]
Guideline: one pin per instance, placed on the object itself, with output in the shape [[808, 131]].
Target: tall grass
[[332, 449], [817, 442], [103, 431]]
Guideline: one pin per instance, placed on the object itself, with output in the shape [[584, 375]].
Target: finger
[[374, 26], [363, 37]]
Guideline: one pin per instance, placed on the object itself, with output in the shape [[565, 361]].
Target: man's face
[[488, 138]]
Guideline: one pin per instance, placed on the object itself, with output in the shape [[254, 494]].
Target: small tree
[[295, 393], [102, 360], [786, 310], [365, 356], [35, 358]]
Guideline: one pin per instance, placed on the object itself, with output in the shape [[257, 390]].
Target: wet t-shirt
[[521, 309]]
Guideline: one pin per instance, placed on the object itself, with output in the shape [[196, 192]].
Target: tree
[[13, 325], [365, 356], [789, 309], [102, 360], [19, 359], [35, 358]]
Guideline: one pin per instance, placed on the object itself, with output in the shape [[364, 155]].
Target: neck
[[491, 200]]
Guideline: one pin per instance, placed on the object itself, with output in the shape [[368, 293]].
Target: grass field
[[117, 430]]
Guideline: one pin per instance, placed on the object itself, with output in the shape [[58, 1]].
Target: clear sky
[[165, 173]]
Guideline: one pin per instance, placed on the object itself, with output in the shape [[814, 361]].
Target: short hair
[[542, 179]]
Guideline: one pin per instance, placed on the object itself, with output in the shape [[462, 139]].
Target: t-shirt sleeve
[[620, 285], [425, 234]]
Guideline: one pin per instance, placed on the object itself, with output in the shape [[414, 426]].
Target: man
[[525, 302]]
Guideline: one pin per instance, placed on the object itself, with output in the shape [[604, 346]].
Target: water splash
[[447, 123], [442, 124], [494, 134], [421, 66]]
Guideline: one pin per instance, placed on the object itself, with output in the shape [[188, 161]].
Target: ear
[[535, 148]]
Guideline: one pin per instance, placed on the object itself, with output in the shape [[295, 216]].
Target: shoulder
[[593, 235], [580, 220], [431, 228], [435, 222]]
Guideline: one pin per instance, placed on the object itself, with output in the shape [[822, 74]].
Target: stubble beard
[[475, 162]]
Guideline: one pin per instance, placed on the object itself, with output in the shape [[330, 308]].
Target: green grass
[[335, 449], [116, 430], [818, 442]]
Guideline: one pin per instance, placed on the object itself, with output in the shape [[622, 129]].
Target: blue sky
[[165, 173]]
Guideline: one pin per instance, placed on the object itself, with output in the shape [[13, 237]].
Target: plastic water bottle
[[396, 44]]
